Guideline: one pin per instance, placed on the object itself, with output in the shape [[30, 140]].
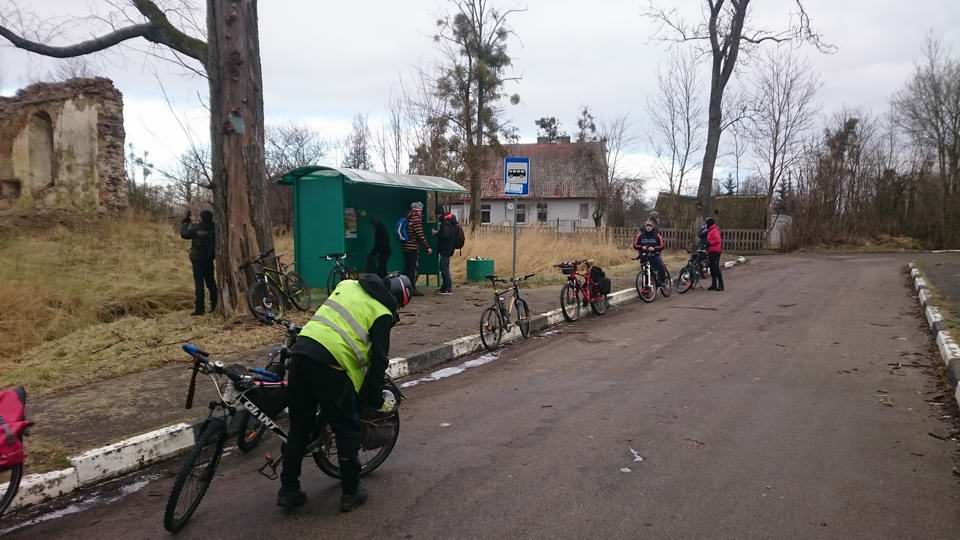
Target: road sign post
[[516, 182]]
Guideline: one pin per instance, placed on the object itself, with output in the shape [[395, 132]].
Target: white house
[[563, 179]]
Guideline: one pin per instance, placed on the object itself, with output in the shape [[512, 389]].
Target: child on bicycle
[[649, 241]]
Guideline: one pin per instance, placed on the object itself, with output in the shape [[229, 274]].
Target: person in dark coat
[[203, 247], [446, 241], [381, 248]]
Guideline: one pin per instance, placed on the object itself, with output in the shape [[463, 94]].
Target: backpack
[[460, 238], [12, 424], [600, 278], [403, 229]]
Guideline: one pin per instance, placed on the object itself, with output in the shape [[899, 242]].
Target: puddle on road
[[86, 503], [454, 370]]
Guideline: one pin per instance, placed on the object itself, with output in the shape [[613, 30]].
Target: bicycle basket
[[271, 398], [567, 268], [378, 432]]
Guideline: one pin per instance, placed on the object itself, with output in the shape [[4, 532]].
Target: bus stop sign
[[516, 176]]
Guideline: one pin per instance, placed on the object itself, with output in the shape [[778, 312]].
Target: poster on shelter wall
[[350, 223]]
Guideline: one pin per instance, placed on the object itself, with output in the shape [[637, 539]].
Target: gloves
[[372, 393]]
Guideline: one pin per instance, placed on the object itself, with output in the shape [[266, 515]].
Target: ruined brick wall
[[61, 147]]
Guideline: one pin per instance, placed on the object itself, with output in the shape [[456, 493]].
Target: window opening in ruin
[[9, 190], [43, 166]]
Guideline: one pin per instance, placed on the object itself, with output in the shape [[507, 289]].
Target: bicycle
[[647, 283], [339, 272], [12, 430], [695, 270], [275, 287], [263, 396], [580, 285], [496, 319], [250, 430]]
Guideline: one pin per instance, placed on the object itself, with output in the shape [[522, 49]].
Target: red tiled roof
[[555, 170]]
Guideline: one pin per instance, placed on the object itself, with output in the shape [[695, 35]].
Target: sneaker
[[711, 288], [349, 503], [196, 313], [291, 499], [720, 289], [441, 291]]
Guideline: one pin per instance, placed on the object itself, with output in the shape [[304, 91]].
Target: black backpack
[[460, 238], [600, 278]]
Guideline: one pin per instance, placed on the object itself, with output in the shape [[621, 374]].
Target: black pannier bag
[[601, 279], [378, 432], [271, 398]]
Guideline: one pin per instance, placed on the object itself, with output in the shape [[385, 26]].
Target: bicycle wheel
[[11, 477], [333, 279], [570, 302], [265, 297], [297, 291], [666, 288], [646, 290], [599, 307], [686, 279], [250, 431], [195, 475], [491, 328], [326, 456], [523, 316]]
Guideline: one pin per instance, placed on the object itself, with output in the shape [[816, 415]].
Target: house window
[[584, 211], [485, 213], [521, 213], [542, 212]]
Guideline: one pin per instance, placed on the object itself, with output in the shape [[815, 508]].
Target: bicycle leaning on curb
[[496, 319]]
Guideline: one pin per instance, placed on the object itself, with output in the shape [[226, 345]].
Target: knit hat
[[416, 205]]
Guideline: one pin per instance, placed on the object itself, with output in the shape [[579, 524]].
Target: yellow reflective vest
[[342, 326]]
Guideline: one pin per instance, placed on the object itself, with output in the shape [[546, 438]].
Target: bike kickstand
[[271, 464]]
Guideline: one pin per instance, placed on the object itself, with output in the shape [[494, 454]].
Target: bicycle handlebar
[[573, 263]]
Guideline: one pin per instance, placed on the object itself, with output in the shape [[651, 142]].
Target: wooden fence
[[745, 241]]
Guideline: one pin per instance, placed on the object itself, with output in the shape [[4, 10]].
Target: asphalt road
[[774, 410]]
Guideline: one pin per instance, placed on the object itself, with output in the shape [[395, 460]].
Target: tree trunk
[[236, 132], [710, 152]]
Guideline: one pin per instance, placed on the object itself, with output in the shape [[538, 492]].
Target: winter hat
[[416, 205]]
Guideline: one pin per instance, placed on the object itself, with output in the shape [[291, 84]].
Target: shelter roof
[[408, 181]]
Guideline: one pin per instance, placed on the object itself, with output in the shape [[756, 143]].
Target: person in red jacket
[[714, 249]]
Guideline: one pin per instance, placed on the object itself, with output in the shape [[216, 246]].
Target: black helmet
[[710, 221], [400, 287]]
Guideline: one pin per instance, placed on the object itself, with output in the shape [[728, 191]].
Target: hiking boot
[[196, 313], [441, 291], [349, 503], [291, 499], [712, 288]]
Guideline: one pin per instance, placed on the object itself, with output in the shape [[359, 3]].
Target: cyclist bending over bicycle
[[650, 242], [340, 359]]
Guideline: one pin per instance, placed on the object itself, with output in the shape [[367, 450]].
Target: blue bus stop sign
[[516, 176]]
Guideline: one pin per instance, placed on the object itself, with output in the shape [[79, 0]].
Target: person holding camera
[[203, 245]]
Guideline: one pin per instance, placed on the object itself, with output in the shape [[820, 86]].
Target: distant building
[[563, 183]]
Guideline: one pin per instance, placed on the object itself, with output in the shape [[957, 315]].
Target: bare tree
[[390, 142], [605, 167], [81, 67], [677, 120], [473, 38], [928, 109], [724, 30], [227, 51], [358, 145], [436, 149], [786, 88], [288, 146]]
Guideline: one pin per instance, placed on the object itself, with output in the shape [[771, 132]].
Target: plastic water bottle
[[389, 402]]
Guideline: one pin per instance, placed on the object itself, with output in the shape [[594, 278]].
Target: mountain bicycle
[[648, 282], [496, 319], [264, 396], [696, 269], [12, 430], [339, 272], [276, 287], [581, 285]]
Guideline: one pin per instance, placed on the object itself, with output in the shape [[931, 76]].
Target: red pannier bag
[[12, 424]]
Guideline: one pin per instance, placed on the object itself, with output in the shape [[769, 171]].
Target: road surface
[[794, 405]]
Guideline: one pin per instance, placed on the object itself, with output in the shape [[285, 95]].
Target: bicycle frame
[[646, 267], [584, 283]]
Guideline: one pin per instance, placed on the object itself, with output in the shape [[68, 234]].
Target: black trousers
[[716, 275], [203, 275], [312, 384], [377, 263], [411, 266]]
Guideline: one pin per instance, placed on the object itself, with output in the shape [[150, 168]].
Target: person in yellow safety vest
[[339, 359]]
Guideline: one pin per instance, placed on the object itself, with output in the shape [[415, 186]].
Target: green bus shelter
[[332, 213]]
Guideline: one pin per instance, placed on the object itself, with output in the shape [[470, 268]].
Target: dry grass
[[883, 243], [538, 251], [86, 299]]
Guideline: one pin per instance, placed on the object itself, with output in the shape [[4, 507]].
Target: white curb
[[948, 348], [38, 488], [131, 454]]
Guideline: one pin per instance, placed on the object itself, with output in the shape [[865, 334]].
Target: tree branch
[[85, 47]]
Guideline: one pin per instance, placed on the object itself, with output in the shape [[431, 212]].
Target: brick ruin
[[61, 148]]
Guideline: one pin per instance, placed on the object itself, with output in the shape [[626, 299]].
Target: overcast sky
[[325, 61]]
